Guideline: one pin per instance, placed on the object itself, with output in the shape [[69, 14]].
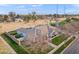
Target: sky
[[40, 8]]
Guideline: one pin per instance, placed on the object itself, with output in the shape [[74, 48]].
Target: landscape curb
[[68, 46]]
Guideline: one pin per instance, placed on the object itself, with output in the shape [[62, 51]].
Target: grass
[[52, 24], [14, 45], [75, 19], [62, 23], [64, 46], [59, 39]]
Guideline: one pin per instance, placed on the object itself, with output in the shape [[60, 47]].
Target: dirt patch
[[5, 48]]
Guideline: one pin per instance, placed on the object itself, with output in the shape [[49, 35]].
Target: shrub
[[13, 32], [52, 24], [67, 20], [18, 35]]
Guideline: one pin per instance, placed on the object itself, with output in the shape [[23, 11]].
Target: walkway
[[59, 45]]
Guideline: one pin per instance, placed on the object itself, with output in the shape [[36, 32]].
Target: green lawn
[[62, 23], [59, 39], [14, 45], [52, 24], [64, 46]]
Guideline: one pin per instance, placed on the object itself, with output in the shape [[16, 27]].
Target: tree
[[12, 16], [18, 16], [27, 18], [56, 19], [5, 18], [1, 18], [68, 20], [34, 16], [51, 17]]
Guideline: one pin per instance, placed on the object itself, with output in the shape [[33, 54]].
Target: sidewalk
[[59, 45]]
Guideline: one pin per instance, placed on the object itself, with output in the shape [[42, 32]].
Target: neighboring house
[[18, 20]]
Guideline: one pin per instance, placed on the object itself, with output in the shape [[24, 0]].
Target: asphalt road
[[74, 48]]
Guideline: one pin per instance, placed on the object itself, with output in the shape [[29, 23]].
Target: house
[[18, 20]]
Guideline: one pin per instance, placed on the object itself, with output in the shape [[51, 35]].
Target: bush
[[62, 23], [52, 24], [13, 33], [18, 35], [76, 19], [67, 20]]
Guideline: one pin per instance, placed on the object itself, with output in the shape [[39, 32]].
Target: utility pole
[[64, 10], [56, 18], [35, 35]]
